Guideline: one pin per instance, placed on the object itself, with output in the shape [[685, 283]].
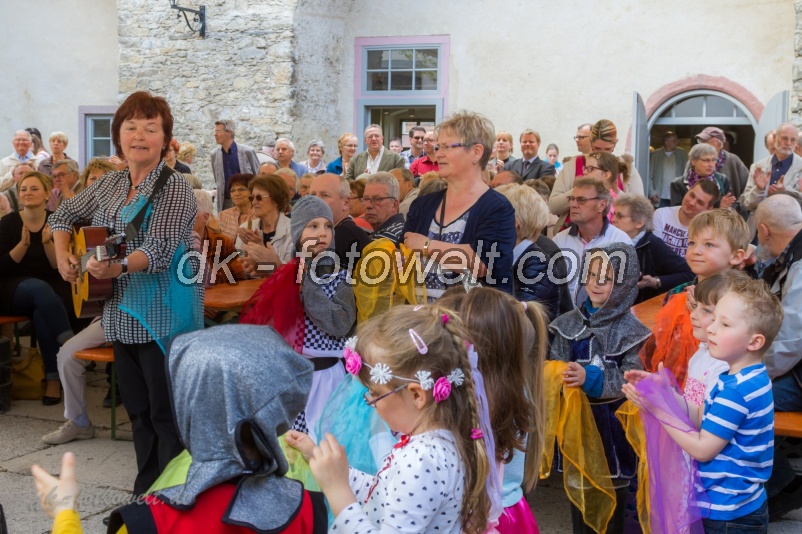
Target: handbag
[[27, 375]]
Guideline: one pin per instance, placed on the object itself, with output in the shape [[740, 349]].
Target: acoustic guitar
[[89, 293]]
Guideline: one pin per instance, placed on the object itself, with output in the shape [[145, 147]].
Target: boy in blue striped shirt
[[735, 444]]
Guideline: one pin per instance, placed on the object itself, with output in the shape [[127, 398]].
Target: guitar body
[[89, 293]]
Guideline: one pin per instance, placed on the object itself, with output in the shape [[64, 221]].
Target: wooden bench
[[104, 354], [15, 320], [788, 424]]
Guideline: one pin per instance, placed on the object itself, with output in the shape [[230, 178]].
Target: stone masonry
[[272, 66]]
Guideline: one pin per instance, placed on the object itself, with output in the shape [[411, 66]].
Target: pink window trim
[[701, 82]]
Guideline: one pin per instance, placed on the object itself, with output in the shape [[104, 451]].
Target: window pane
[[378, 59], [719, 107], [426, 80], [101, 127], [426, 58], [101, 147], [691, 107], [739, 113], [401, 59], [401, 80], [377, 81]]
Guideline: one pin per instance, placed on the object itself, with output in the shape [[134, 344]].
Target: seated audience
[[660, 267], [94, 171], [265, 239], [291, 178], [381, 207], [58, 144], [407, 189], [30, 284], [702, 166], [671, 223], [347, 145], [208, 239], [171, 157], [232, 218], [315, 152], [590, 227], [357, 207], [535, 275]]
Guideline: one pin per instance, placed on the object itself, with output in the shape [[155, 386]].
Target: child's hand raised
[[301, 442], [574, 376], [632, 394]]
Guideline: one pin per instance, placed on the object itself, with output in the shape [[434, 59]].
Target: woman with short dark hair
[[153, 295]]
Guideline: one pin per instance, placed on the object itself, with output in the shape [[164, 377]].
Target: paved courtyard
[[106, 469]]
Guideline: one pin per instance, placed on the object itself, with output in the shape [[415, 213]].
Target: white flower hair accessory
[[380, 374], [425, 380], [457, 377]]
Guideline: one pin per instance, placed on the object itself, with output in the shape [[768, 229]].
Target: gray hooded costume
[[617, 333], [235, 388], [610, 340]]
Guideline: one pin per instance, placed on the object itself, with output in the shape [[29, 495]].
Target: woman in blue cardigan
[[468, 229]]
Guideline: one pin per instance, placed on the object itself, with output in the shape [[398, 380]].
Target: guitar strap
[[132, 228]]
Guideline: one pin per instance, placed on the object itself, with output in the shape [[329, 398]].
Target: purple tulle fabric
[[674, 485]]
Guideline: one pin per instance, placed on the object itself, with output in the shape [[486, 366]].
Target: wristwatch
[[124, 265], [426, 247]]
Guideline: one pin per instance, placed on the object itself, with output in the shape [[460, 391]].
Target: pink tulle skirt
[[518, 519]]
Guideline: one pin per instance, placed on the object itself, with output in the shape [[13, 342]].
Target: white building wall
[[56, 55], [554, 65]]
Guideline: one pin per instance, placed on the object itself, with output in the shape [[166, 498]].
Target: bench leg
[[113, 401]]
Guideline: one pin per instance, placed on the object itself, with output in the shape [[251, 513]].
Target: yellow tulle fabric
[[586, 475], [633, 426], [385, 277]]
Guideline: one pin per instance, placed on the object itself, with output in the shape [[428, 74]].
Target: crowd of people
[[512, 351]]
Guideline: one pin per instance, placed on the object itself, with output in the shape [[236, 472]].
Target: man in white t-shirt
[[671, 224], [589, 204]]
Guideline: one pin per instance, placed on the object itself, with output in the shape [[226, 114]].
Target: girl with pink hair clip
[[423, 381]]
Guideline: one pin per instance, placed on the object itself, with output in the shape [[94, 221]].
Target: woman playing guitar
[[151, 301]]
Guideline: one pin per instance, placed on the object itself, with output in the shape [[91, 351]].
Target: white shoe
[[68, 432]]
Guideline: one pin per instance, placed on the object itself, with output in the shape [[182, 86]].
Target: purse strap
[[132, 228]]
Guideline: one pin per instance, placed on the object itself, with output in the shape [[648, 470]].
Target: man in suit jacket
[[376, 158], [530, 165], [229, 159]]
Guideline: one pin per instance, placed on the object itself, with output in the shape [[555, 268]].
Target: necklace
[[135, 187]]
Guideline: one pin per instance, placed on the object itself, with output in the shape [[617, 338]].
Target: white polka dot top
[[418, 489]]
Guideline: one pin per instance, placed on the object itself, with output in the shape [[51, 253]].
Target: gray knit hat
[[307, 208]]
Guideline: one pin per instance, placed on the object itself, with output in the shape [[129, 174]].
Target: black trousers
[[142, 378]]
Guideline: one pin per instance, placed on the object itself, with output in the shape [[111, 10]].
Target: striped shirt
[[740, 409]]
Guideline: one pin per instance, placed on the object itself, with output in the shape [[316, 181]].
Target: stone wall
[[260, 64], [796, 91]]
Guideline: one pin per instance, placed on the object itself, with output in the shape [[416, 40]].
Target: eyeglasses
[[374, 200], [619, 215], [430, 141], [448, 148], [356, 198], [580, 137], [258, 198], [418, 138], [372, 403], [61, 175], [591, 168], [238, 190], [580, 200]]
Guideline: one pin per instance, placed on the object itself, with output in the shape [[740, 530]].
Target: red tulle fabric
[[672, 340], [277, 303]]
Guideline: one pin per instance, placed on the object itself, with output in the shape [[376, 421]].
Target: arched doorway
[[687, 113]]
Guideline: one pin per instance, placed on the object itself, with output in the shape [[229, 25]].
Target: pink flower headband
[[381, 373]]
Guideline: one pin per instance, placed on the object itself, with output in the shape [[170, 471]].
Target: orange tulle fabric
[[386, 276], [570, 422], [672, 341], [277, 303]]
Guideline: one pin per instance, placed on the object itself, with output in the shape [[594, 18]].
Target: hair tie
[[476, 433], [444, 318]]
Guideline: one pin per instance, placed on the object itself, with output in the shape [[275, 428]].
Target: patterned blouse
[[229, 221], [169, 224]]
